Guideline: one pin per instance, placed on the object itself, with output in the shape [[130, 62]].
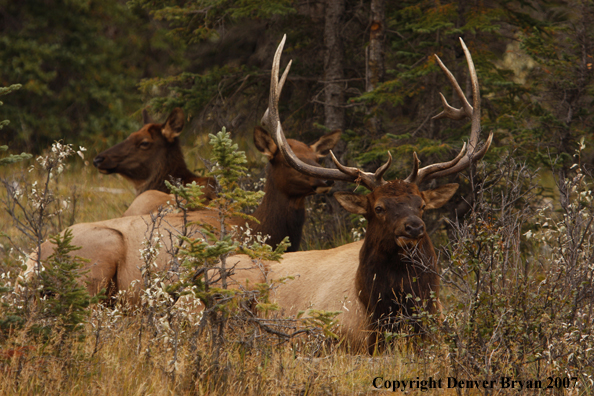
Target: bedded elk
[[152, 155], [377, 281], [112, 246], [282, 210]]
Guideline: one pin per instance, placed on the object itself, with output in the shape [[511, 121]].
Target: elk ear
[[146, 118], [354, 203], [174, 125], [326, 143], [264, 142], [438, 197]]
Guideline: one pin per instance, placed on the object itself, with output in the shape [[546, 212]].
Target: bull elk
[[372, 281], [152, 155]]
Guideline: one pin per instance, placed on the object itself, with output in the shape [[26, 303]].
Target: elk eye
[[379, 209], [144, 144]]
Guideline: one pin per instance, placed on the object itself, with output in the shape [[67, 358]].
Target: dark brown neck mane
[[280, 215], [173, 165], [387, 273]]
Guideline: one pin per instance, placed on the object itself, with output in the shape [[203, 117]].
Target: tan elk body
[[112, 246]]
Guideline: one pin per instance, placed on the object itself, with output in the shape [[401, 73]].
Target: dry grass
[[118, 368]]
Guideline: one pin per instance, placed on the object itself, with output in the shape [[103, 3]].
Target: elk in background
[[112, 246], [282, 210], [152, 155], [370, 281]]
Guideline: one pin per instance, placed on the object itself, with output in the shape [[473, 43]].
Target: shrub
[[520, 278]]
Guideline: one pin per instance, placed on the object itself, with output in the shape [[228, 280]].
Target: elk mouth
[[411, 235], [407, 242], [99, 163], [322, 190], [106, 171]]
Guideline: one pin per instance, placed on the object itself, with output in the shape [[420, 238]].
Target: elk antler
[[373, 180], [271, 118], [343, 173], [466, 156]]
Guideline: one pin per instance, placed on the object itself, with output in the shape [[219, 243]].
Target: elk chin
[[407, 242], [106, 171], [322, 190]]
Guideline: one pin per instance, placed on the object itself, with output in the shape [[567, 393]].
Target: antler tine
[[271, 117], [449, 111], [475, 128], [379, 173], [371, 180], [465, 157]]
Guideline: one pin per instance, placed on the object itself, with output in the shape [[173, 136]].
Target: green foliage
[[196, 21], [12, 158], [64, 298], [54, 302], [229, 167], [563, 79], [191, 193], [511, 88], [257, 249], [211, 250], [6, 91], [194, 91], [326, 320], [79, 62]]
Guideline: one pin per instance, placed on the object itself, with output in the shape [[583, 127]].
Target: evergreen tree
[[64, 299], [11, 158], [79, 62]]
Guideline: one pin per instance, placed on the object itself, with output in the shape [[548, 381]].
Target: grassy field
[[516, 308]]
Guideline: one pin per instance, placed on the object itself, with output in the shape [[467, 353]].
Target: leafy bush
[[520, 279]]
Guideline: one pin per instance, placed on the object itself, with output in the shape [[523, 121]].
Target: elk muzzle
[[323, 186], [413, 230], [103, 164]]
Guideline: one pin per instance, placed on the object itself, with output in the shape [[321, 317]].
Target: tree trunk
[[375, 63], [333, 65], [375, 58]]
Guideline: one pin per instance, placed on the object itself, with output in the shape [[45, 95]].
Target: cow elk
[[282, 211], [379, 281], [152, 155]]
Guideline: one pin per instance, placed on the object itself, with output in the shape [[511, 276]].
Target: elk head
[[149, 155], [396, 209], [285, 178]]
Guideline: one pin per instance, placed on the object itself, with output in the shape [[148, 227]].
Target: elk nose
[[97, 161], [415, 229]]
